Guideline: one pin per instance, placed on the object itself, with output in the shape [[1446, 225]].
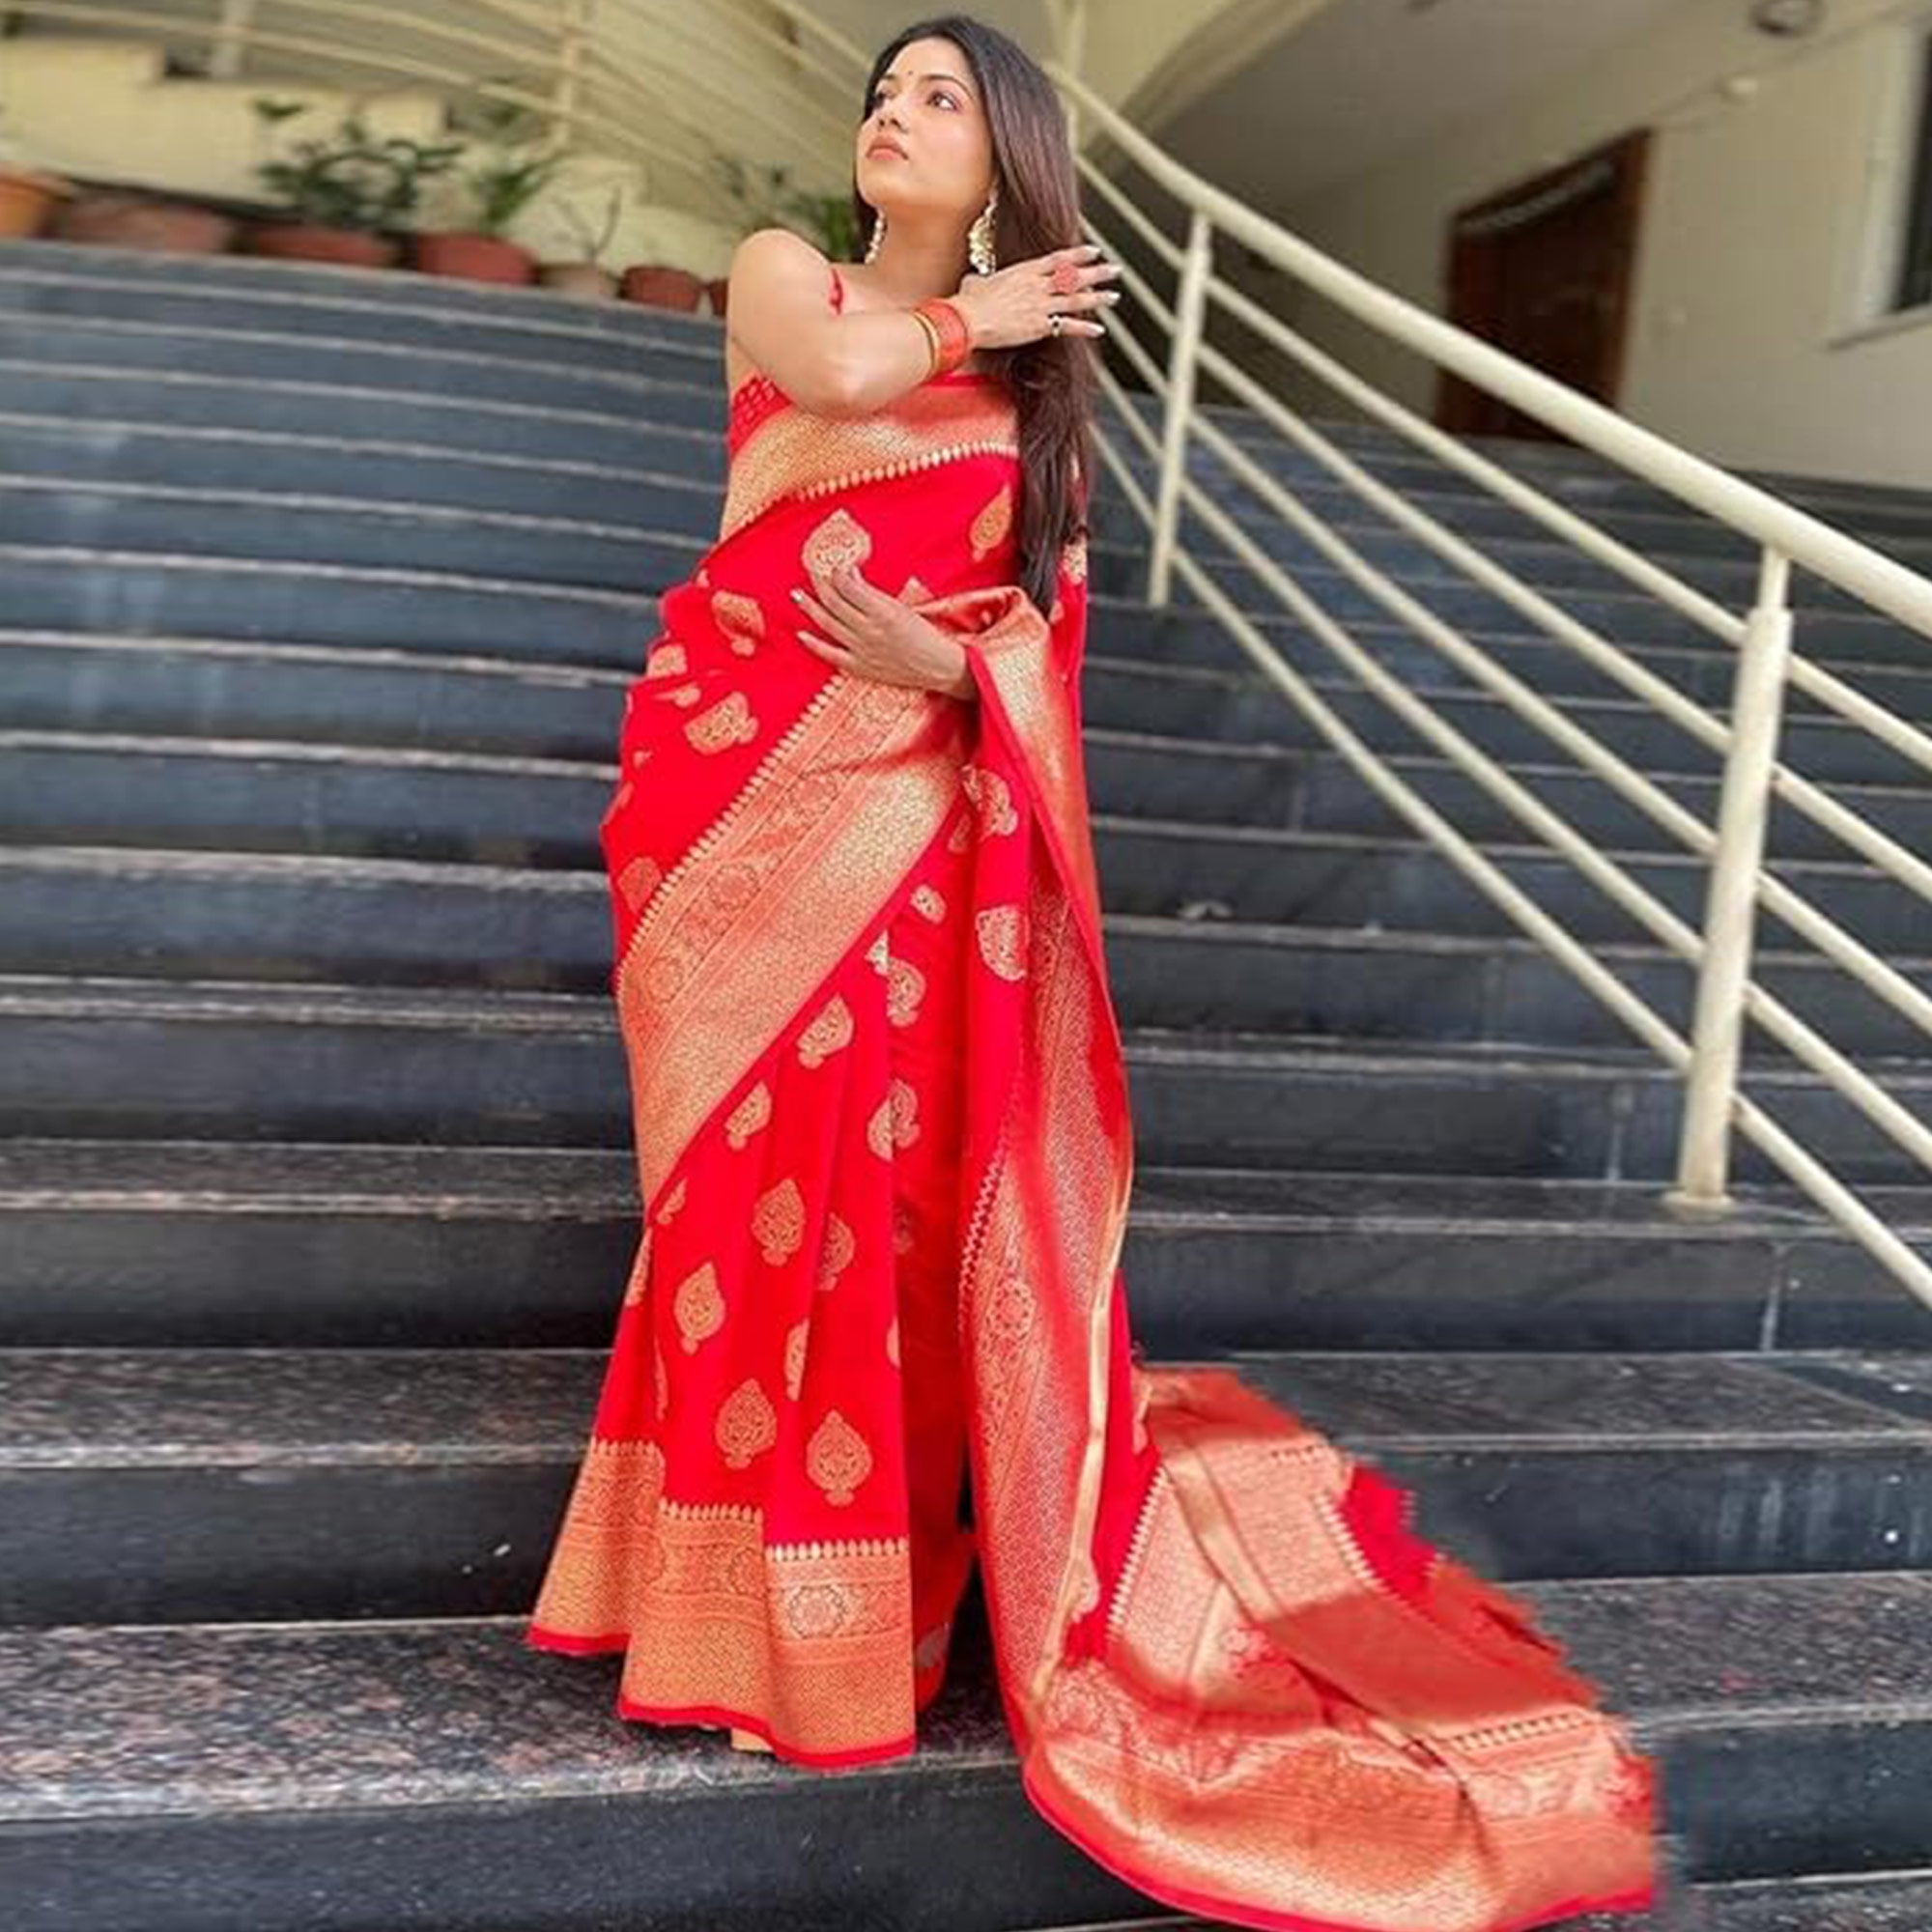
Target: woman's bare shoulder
[[778, 281]]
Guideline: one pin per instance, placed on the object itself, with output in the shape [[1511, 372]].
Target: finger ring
[[1053, 323], [1065, 277]]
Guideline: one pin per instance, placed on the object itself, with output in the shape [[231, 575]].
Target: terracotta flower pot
[[715, 288], [474, 258], [660, 287], [111, 218], [579, 281], [27, 200], [305, 242]]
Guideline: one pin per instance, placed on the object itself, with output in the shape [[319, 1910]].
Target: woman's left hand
[[872, 635]]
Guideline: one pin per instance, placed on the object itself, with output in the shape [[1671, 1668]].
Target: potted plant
[[133, 218], [502, 190], [28, 195], [347, 193], [499, 190], [584, 278]]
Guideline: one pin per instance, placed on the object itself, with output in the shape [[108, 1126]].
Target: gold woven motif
[[993, 525], [697, 1306], [894, 1121], [992, 798], [752, 1114], [832, 1030], [1002, 933], [778, 1221], [741, 618], [746, 1424], [905, 988], [839, 541], [729, 721], [638, 880], [836, 1255], [836, 1457]]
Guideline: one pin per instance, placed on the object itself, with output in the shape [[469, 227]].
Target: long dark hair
[[1052, 379]]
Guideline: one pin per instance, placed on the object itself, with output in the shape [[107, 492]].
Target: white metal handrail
[[1725, 992]]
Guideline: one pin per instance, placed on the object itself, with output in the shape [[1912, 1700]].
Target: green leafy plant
[[354, 178], [504, 188], [765, 196]]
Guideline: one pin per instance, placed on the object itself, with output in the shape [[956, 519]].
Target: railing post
[[1068, 20], [231, 39], [1190, 306], [1730, 907], [576, 25]]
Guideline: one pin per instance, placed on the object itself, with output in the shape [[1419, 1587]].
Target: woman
[[885, 1156]]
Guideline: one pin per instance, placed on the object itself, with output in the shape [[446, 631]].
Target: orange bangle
[[954, 338]]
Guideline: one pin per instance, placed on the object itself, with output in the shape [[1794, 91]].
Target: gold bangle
[[931, 340]]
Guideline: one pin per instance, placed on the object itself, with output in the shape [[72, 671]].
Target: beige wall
[[103, 107], [1768, 235]]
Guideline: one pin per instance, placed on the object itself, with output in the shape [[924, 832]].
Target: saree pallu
[[884, 1156]]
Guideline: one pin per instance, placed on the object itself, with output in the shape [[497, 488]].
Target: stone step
[[102, 399], [251, 296], [304, 302], [145, 592], [240, 1769], [687, 389], [1236, 704], [335, 457], [78, 789], [652, 540], [273, 1061], [156, 1243], [150, 1486], [76, 471], [293, 916], [449, 706]]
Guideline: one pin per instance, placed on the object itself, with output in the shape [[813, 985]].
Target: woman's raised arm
[[778, 309]]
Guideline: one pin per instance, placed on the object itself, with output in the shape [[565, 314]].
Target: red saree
[[884, 1156]]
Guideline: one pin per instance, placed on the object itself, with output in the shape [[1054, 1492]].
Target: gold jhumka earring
[[979, 237]]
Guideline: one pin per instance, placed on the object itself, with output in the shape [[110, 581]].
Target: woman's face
[[927, 105]]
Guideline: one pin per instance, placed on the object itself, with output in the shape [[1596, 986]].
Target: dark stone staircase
[[322, 593]]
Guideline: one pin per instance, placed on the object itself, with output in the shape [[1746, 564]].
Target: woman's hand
[[1015, 304], [874, 634]]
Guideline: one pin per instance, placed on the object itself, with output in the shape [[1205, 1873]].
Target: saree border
[[794, 868], [1014, 1241]]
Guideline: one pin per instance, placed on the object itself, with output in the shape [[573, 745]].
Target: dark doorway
[[1544, 271]]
